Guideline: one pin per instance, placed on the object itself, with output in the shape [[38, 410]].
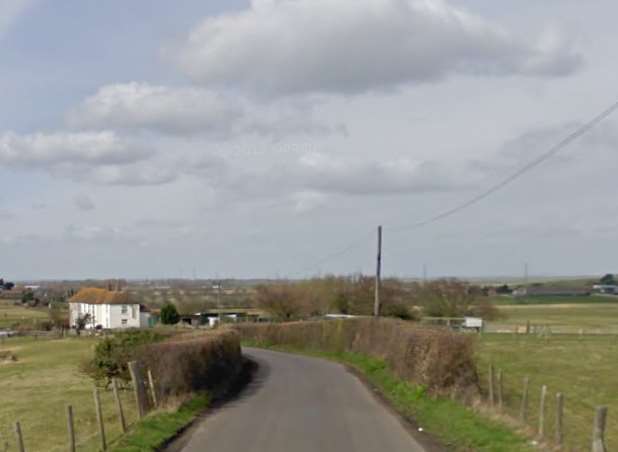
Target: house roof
[[93, 295]]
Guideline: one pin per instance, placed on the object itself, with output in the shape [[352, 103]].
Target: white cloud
[[170, 110], [49, 149], [279, 47], [186, 111]]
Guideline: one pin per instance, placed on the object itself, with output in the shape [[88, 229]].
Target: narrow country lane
[[300, 404]]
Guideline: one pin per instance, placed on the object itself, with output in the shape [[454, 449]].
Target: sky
[[270, 138]]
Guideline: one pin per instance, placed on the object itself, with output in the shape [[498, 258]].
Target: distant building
[[605, 288], [548, 291], [107, 309]]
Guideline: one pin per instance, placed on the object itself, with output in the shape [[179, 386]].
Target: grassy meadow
[[11, 314], [37, 388], [587, 316], [582, 368]]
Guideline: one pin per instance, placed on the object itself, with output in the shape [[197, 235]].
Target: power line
[[517, 174], [485, 194], [340, 252]]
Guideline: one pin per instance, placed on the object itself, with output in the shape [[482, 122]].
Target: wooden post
[[97, 405], [598, 433], [19, 438], [523, 409], [527, 326], [70, 428], [500, 390], [138, 388], [559, 421], [376, 301], [123, 422], [542, 412], [153, 389], [491, 385]]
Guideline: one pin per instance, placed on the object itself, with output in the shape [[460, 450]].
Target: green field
[[36, 389], [589, 299], [11, 314], [584, 369], [579, 315]]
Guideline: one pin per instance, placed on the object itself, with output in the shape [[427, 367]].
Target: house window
[[124, 309], [124, 321]]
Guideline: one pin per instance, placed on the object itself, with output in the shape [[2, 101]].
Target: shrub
[[112, 354], [183, 365], [452, 298], [436, 358], [279, 300], [169, 314], [319, 296]]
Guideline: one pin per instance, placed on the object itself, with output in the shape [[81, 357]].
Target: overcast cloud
[[252, 139], [283, 47]]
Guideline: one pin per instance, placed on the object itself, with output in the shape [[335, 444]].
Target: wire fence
[[564, 408], [88, 427]]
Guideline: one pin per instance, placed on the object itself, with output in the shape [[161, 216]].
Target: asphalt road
[[300, 404]]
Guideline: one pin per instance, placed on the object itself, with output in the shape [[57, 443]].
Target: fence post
[[559, 421], [542, 412], [598, 433], [527, 326], [138, 388], [153, 389], [70, 428], [523, 409], [499, 390], [123, 422], [97, 405], [19, 437], [491, 385]]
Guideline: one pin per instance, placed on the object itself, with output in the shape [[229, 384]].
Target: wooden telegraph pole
[[376, 302]]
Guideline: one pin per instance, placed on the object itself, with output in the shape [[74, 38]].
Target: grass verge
[[159, 427], [459, 428], [582, 368]]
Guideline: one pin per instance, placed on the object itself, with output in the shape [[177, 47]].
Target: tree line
[[354, 295]]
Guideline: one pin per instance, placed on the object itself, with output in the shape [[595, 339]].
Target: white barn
[[107, 309]]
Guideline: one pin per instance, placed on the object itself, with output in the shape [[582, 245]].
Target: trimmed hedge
[[438, 359], [193, 363]]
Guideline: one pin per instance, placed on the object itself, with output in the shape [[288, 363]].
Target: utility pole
[[376, 302], [424, 273]]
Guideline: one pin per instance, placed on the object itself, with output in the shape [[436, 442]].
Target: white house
[[107, 309]]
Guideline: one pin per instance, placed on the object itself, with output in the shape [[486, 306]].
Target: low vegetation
[[437, 359], [287, 301], [38, 385], [583, 368], [154, 431], [190, 369], [19, 317], [43, 376], [112, 354], [577, 316], [194, 362]]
